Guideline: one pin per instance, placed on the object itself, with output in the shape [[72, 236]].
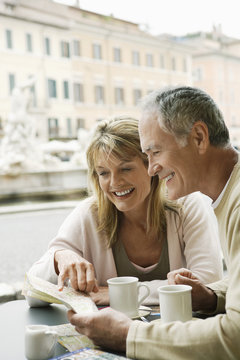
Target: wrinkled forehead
[[148, 130]]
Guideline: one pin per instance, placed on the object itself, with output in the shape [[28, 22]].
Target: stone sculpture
[[19, 151]]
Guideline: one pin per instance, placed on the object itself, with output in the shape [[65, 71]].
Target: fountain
[[26, 169]]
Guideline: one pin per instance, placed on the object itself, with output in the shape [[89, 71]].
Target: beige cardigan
[[193, 244]]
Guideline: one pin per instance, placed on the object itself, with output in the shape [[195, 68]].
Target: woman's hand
[[101, 297], [173, 276], [80, 272]]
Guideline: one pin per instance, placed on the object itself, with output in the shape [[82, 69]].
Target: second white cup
[[124, 294], [175, 302]]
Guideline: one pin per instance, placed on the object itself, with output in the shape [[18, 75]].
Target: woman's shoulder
[[196, 206], [85, 207], [195, 199], [86, 203], [192, 205]]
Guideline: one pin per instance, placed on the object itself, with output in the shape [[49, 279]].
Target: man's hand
[[203, 298], [101, 297], [107, 328], [80, 272]]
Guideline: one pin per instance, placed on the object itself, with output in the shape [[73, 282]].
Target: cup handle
[[54, 335], [51, 332], [144, 296]]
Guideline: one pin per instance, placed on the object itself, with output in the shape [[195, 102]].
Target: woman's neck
[[134, 219]]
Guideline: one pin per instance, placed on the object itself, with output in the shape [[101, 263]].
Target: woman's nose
[[115, 180]]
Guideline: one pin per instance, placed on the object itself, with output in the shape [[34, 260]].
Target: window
[[9, 42], [137, 94], [53, 127], [78, 92], [162, 62], [117, 54], [119, 96], [97, 51], [99, 94], [173, 60], [76, 48], [11, 82], [34, 97], [69, 127], [80, 123], [66, 89], [136, 58], [47, 46], [29, 42], [184, 64], [52, 88], [149, 60], [65, 49], [198, 74]]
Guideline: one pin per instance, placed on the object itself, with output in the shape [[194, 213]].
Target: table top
[[15, 315]]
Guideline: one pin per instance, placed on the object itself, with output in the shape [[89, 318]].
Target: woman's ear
[[200, 136]]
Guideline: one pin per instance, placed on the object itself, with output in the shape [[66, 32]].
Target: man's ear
[[200, 136]]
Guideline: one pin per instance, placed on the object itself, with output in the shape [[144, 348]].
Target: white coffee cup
[[40, 342], [175, 303], [124, 294]]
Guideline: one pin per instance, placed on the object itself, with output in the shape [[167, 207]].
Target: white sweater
[[193, 243]]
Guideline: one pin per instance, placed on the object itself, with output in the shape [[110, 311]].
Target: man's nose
[[154, 169]]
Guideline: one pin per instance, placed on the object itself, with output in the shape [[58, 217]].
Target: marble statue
[[19, 150], [79, 157]]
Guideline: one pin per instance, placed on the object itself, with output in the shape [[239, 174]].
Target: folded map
[[44, 290]]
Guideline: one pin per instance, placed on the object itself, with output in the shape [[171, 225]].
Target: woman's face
[[126, 183]]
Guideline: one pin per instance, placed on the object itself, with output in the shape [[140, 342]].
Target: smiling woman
[[128, 227]]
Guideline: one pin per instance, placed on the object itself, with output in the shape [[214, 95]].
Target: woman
[[128, 227]]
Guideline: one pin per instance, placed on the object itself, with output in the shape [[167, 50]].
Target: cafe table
[[15, 315]]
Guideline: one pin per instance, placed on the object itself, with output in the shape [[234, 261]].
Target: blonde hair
[[119, 136]]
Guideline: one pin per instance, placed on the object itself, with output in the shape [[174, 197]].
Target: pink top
[[192, 244]]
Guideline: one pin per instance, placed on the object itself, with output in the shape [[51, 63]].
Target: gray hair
[[178, 108]]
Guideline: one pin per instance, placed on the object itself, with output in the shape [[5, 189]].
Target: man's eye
[[156, 153], [126, 169]]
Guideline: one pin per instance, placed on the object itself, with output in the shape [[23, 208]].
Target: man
[[183, 133]]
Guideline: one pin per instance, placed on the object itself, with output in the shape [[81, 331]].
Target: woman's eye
[[103, 173], [156, 153]]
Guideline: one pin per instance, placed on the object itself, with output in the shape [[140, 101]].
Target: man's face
[[175, 164]]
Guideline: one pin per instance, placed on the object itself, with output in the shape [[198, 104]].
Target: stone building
[[87, 66], [216, 69]]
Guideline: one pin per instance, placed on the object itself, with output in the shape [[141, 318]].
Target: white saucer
[[142, 311]]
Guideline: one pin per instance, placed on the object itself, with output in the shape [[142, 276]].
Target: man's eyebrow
[[150, 147]]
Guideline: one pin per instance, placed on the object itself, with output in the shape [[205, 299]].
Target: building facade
[[216, 69], [86, 66]]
